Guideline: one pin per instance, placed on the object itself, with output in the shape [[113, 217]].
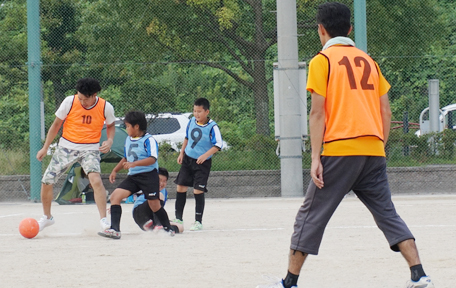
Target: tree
[[62, 52], [224, 35]]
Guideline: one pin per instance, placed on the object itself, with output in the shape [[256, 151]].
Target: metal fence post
[[290, 112], [360, 24], [34, 79]]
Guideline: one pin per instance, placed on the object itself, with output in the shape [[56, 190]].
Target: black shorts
[[148, 182], [194, 175]]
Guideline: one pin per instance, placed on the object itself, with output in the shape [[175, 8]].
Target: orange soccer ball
[[29, 228]]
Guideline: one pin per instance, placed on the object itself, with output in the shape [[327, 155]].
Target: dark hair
[[88, 86], [136, 117], [163, 171], [335, 18], [202, 102]]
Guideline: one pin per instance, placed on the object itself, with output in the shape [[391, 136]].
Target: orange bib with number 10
[[83, 126]]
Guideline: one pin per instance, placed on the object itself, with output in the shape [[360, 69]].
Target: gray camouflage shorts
[[64, 158]]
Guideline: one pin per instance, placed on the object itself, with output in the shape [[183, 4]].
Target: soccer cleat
[[104, 223], [110, 233], [148, 225], [196, 226], [177, 221], [424, 282], [45, 222]]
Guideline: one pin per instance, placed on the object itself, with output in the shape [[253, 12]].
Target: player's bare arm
[[52, 133], [317, 128], [385, 110], [119, 166], [208, 154], [143, 162], [110, 132], [181, 154]]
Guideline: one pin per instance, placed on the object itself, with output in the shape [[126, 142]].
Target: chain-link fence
[[158, 56]]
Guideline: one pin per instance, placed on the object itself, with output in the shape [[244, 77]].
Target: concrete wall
[[265, 183]]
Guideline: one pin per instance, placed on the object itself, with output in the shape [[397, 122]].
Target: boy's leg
[[142, 213], [116, 209], [201, 176], [155, 218], [181, 199], [46, 198], [61, 160], [116, 214], [99, 193], [90, 163], [160, 212], [183, 180], [199, 205]]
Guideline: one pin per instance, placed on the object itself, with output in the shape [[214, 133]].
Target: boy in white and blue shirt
[[140, 158], [203, 139]]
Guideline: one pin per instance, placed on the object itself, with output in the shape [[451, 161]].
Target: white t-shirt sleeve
[[109, 113], [65, 107], [217, 137], [153, 147]]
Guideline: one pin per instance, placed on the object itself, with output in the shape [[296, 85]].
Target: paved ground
[[242, 240]]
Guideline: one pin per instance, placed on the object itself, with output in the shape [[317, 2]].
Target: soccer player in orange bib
[[350, 117], [83, 116]]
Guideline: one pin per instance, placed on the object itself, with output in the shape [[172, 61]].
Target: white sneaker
[[196, 226], [105, 224], [275, 283], [45, 222], [424, 282], [110, 233]]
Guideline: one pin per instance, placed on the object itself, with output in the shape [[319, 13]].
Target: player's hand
[[180, 158], [112, 177], [105, 146], [201, 159], [316, 172], [41, 154], [128, 165]]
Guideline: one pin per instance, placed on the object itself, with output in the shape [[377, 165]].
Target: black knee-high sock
[[199, 207], [181, 198], [155, 218], [116, 213], [163, 217]]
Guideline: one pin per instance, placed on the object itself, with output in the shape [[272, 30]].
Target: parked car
[[447, 119], [168, 128]]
